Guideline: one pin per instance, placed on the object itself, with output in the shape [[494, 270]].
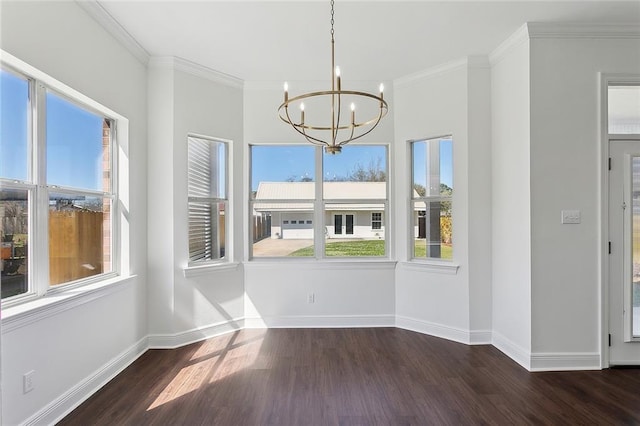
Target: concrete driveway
[[276, 247]]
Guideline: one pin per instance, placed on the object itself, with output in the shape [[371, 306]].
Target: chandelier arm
[[311, 139], [381, 115], [297, 128], [286, 110], [346, 141], [337, 127], [353, 129]]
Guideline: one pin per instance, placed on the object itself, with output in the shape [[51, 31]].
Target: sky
[[73, 135], [297, 162]]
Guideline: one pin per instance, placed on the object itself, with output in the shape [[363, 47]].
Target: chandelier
[[336, 131]]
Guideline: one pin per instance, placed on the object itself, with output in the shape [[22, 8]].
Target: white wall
[[210, 108], [565, 174], [452, 99], [511, 200], [68, 347], [347, 294], [161, 243], [186, 99]]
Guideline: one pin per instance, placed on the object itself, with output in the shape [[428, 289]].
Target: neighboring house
[[353, 209]]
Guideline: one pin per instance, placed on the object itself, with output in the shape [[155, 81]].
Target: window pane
[[206, 231], [14, 229], [354, 230], [14, 126], [282, 172], [432, 190], [624, 109], [79, 237], [357, 172], [78, 144], [432, 229], [207, 168], [432, 167], [282, 229]]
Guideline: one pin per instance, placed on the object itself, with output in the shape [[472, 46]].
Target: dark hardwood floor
[[375, 376]]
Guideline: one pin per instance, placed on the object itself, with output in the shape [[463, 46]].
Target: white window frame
[[450, 266], [319, 209], [214, 200], [38, 254]]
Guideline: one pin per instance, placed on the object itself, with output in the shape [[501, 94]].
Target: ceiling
[[375, 40]]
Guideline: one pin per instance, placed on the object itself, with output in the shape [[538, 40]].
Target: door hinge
[[609, 339], [609, 247], [609, 163]]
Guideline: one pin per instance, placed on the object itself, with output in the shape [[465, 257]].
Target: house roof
[[305, 191], [332, 190]]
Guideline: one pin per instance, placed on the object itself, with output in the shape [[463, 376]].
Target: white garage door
[[297, 226]]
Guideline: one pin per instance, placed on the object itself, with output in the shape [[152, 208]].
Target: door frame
[[605, 79]]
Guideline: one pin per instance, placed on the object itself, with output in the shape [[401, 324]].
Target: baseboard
[[565, 361], [512, 350], [173, 341], [67, 402], [468, 337], [320, 321]]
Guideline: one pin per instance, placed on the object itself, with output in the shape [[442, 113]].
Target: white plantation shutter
[[206, 191]]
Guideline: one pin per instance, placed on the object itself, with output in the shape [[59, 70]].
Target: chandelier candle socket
[[333, 135]]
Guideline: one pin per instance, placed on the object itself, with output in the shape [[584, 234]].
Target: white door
[[624, 257]]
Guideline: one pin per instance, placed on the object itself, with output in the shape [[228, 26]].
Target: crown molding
[[474, 61], [581, 30], [183, 65], [431, 72], [516, 39], [113, 27]]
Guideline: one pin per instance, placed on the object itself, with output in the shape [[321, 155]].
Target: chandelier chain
[[332, 2]]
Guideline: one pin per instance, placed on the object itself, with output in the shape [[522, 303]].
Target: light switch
[[570, 216]]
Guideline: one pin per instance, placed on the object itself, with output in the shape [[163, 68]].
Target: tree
[[420, 189], [374, 172]]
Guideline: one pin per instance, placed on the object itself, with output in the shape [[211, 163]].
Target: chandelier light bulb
[[381, 88], [337, 71], [301, 106], [286, 91], [353, 106]]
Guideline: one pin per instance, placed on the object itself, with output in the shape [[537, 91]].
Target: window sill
[[367, 264], [23, 314], [196, 271], [449, 268]]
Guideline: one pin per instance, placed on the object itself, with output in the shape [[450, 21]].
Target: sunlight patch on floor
[[187, 380], [213, 360]]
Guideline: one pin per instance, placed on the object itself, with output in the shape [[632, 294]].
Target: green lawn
[[367, 248], [446, 251], [347, 249]]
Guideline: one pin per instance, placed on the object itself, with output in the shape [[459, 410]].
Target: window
[[336, 194], [432, 191], [624, 109], [58, 187], [208, 203], [282, 187], [376, 220]]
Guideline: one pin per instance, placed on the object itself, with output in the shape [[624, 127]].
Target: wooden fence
[[76, 245]]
